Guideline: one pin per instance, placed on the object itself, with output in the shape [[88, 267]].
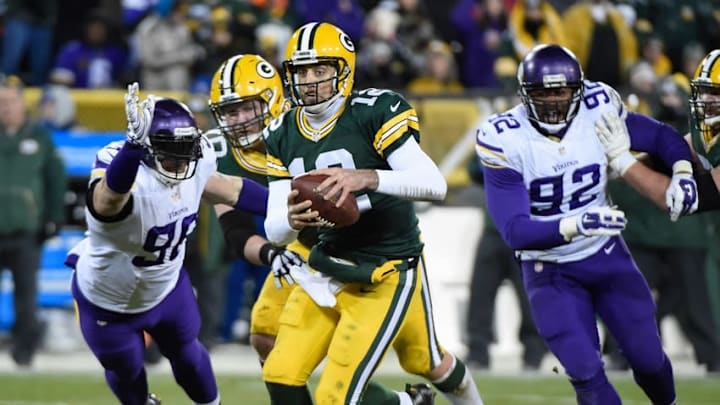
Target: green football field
[[90, 389]]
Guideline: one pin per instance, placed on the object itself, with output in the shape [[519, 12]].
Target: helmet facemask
[[174, 156], [548, 110], [310, 94], [705, 110], [242, 121]]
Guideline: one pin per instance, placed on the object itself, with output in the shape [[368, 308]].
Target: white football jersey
[[131, 265], [563, 177]]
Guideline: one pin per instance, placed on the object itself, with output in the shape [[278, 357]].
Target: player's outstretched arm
[[237, 192], [240, 232], [112, 193]]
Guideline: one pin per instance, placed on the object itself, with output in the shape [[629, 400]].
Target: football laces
[[325, 222]]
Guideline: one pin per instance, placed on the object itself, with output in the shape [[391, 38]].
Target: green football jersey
[[708, 149], [245, 163], [371, 125]]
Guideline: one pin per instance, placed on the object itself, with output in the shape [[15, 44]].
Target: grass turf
[[90, 389]]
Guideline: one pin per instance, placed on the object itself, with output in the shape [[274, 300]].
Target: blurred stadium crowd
[[76, 57], [414, 45]]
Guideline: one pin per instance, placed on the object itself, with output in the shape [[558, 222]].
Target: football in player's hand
[[347, 214]]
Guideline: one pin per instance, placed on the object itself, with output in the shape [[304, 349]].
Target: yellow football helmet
[[246, 93], [705, 97], [316, 43]]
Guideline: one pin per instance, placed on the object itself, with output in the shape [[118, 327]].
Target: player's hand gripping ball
[[332, 216]]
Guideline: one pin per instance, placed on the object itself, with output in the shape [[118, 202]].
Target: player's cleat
[[420, 394], [153, 400]]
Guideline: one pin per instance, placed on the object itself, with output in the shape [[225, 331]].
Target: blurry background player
[[367, 142], [494, 263], [31, 211], [705, 128], [142, 204], [545, 178]]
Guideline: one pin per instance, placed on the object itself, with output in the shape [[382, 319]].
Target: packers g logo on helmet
[[243, 82], [320, 43], [705, 99]]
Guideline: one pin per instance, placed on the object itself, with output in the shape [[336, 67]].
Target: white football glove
[[596, 221], [138, 121], [281, 261], [613, 134], [320, 288], [681, 196]]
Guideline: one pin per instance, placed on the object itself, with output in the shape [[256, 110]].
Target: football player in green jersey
[[245, 95], [705, 128], [370, 291]]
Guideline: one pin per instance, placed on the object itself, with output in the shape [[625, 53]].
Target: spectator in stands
[[134, 11], [415, 29], [481, 25], [347, 15], [97, 60], [28, 27], [439, 71], [642, 88], [56, 109], [602, 41], [213, 28], [692, 54], [494, 263], [671, 105], [166, 49], [653, 52], [532, 22], [247, 16], [680, 23], [31, 211], [382, 61], [271, 39]]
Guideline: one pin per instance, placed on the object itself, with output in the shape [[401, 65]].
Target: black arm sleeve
[[237, 227], [708, 194]]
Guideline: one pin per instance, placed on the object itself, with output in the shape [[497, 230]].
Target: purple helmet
[[174, 140], [550, 67]]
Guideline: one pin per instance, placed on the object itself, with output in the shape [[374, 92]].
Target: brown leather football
[[346, 214]]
